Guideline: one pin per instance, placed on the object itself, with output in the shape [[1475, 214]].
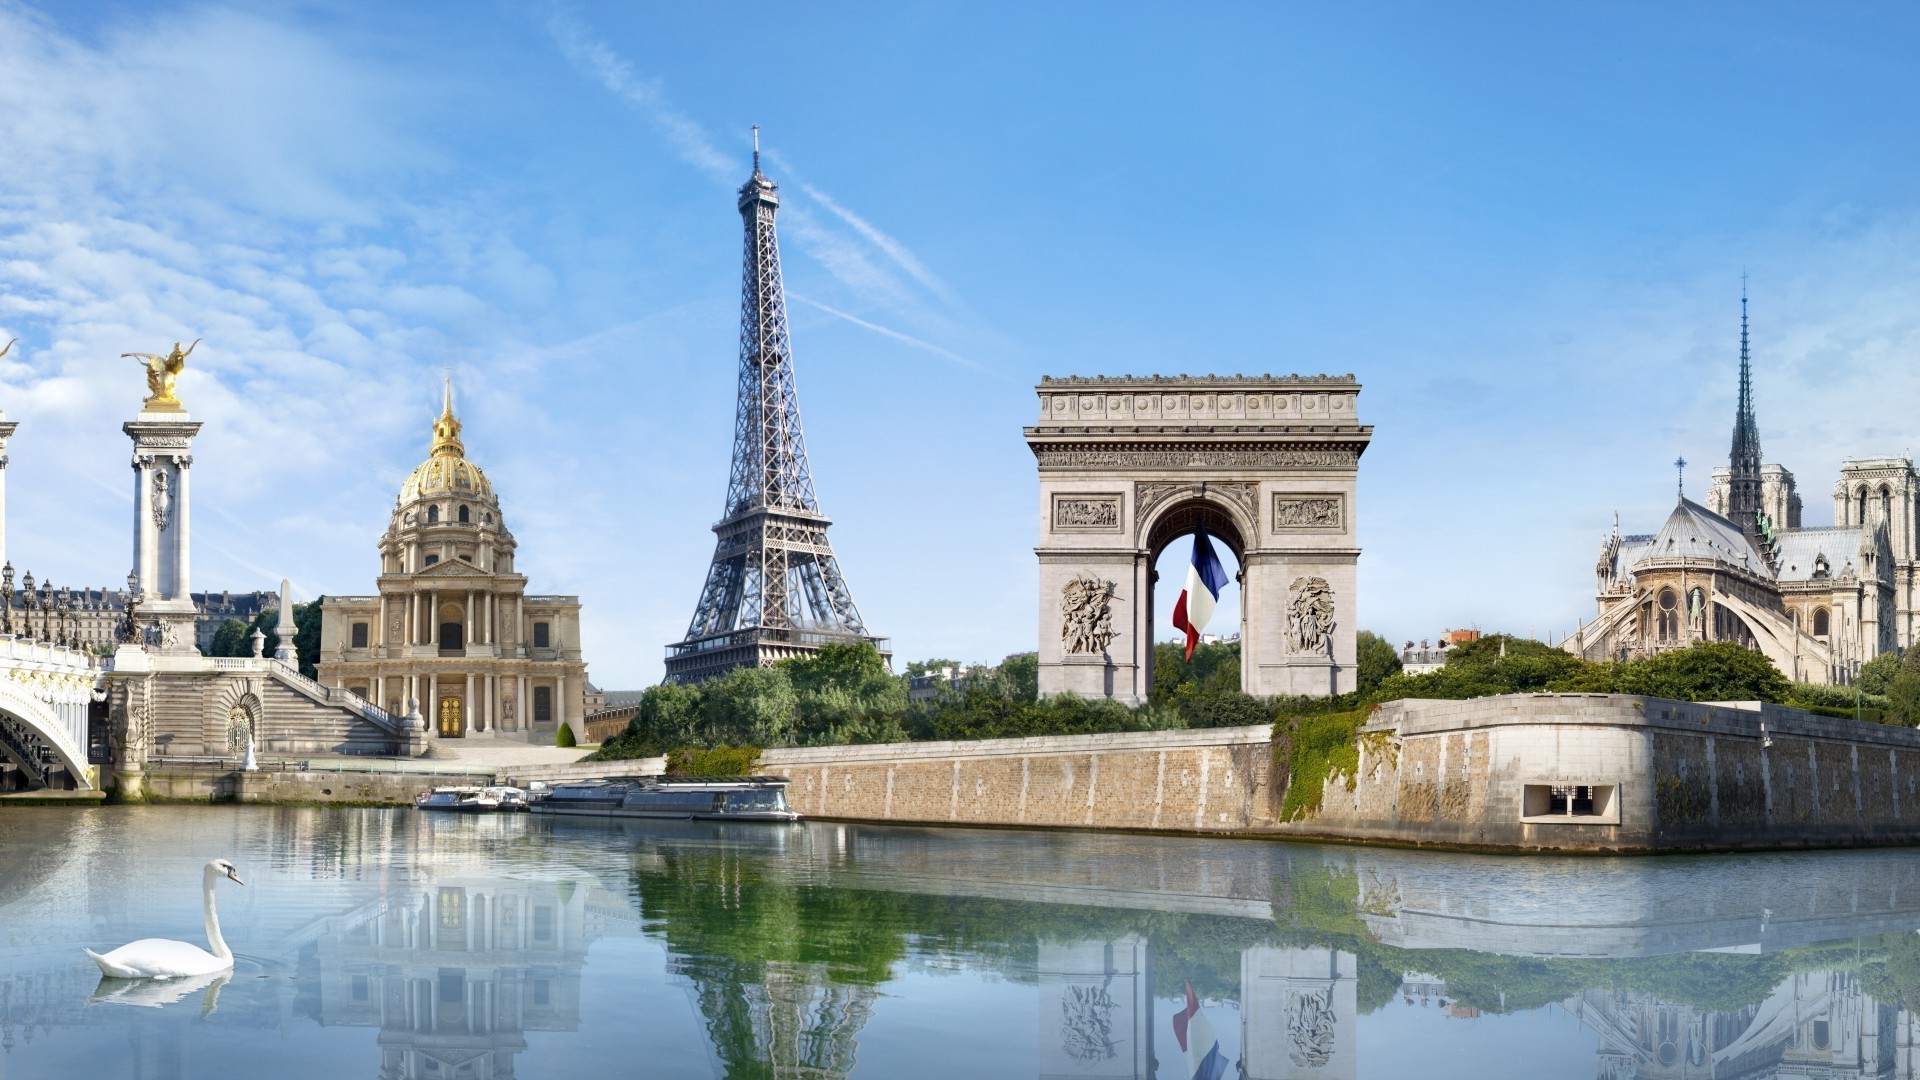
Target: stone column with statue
[[7, 428], [162, 453]]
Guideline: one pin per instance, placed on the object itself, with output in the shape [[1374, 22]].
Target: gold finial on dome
[[446, 430], [447, 470]]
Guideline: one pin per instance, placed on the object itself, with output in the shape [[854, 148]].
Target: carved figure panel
[[1086, 513], [162, 499], [1310, 617], [239, 730], [1147, 498], [1310, 1033], [1086, 1024], [1086, 615], [1308, 512], [1242, 495]]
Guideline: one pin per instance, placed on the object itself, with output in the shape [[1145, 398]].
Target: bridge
[[45, 691]]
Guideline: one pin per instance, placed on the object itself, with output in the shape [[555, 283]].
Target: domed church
[[452, 625]]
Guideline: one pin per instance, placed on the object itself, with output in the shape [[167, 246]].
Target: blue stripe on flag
[[1212, 574]]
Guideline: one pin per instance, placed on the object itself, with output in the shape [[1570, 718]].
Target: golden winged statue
[[8, 348], [161, 372]]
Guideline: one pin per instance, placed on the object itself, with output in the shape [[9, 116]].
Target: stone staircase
[[294, 722], [292, 714]]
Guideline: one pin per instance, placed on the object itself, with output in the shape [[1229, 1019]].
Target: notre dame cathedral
[[1819, 602]]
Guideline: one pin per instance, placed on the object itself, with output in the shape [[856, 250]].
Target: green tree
[[1876, 675], [1375, 659], [1019, 675], [1903, 693], [306, 637], [749, 707], [231, 639], [1711, 671]]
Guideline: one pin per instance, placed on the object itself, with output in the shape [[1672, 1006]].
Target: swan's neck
[[216, 944]]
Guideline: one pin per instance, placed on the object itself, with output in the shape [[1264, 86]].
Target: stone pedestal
[[416, 730], [162, 551]]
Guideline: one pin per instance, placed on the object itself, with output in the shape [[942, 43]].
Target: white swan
[[160, 958]]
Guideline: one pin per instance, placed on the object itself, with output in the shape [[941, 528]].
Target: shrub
[[719, 761], [563, 736], [1317, 748], [1712, 671]]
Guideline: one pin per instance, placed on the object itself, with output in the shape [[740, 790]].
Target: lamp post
[[27, 601], [6, 599], [128, 631]]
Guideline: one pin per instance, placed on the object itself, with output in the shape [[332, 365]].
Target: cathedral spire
[[1743, 481]]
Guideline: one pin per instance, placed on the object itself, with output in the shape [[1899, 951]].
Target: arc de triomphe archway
[[1129, 466]]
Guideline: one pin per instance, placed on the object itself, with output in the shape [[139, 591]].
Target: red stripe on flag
[[1180, 622], [1180, 1018]]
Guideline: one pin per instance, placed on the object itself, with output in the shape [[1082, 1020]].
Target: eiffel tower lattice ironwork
[[775, 589]]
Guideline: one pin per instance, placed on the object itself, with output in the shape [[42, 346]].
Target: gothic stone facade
[[1818, 601], [1129, 466], [453, 626]]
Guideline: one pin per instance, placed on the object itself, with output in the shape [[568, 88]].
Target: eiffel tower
[[775, 590]]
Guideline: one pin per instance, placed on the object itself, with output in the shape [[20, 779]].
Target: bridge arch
[[43, 721]]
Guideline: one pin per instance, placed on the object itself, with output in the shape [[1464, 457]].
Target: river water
[[393, 944]]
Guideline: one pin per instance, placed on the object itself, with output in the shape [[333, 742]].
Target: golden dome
[[446, 470]]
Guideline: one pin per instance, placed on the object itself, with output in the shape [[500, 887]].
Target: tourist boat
[[511, 799], [713, 798], [466, 800]]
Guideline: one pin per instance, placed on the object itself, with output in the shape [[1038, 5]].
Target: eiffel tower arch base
[[1130, 466]]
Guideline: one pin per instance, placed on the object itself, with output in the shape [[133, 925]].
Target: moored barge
[[728, 798]]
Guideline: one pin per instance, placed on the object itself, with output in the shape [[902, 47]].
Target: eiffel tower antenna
[[774, 590]]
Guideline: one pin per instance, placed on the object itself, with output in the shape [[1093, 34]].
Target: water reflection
[[391, 944], [455, 974]]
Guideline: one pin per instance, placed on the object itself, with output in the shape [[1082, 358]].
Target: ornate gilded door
[[450, 725]]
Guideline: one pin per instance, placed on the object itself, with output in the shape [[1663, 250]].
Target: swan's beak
[[234, 876]]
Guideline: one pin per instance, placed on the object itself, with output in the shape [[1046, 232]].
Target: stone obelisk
[[162, 553]]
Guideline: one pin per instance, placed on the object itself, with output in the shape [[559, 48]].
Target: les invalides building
[[452, 625]]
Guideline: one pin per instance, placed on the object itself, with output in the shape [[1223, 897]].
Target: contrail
[[594, 58], [908, 339]]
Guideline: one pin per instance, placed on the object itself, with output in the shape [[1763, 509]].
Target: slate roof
[[1840, 544], [1692, 531]]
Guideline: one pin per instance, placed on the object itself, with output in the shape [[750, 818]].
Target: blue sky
[[1522, 227]]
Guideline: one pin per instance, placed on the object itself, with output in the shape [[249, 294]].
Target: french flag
[[1205, 578], [1197, 1041]]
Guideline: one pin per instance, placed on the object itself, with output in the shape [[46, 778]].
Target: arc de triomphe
[[1130, 465]]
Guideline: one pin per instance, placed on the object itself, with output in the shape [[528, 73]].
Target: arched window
[[1669, 616], [1886, 505], [1862, 519], [433, 515], [463, 514], [1820, 622]]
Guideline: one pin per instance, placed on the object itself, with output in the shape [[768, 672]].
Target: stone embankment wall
[[1682, 776], [377, 782], [191, 783], [1217, 780]]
